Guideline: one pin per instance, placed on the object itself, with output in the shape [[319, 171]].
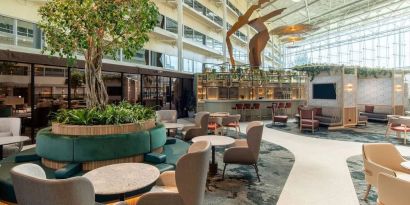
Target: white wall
[[375, 91]]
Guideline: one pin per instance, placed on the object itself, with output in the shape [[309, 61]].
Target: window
[[161, 21], [157, 59], [171, 62], [188, 65], [199, 37], [6, 30], [199, 7], [188, 33], [171, 25]]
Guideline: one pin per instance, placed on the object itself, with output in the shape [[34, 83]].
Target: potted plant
[[190, 103]]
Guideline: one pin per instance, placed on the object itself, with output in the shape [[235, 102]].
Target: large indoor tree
[[95, 28]]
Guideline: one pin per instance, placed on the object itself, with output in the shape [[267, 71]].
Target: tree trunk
[[96, 93]]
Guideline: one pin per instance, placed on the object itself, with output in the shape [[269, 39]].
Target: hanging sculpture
[[258, 42]]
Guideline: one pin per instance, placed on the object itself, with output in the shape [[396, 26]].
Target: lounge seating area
[[204, 102]]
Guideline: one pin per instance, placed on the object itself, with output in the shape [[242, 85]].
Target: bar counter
[[226, 106]]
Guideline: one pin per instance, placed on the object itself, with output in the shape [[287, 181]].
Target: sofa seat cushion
[[213, 126], [171, 140], [307, 123], [375, 116], [175, 151], [26, 158], [155, 158], [400, 129], [363, 118], [5, 134]]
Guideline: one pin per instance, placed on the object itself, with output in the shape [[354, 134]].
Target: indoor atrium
[[205, 102]]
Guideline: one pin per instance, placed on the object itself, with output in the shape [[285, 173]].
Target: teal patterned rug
[[355, 165], [372, 133], [241, 186]]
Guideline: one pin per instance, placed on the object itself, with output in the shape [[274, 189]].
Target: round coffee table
[[171, 125], [216, 141], [11, 140], [122, 178]]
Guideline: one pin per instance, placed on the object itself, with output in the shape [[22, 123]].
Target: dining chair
[[185, 185], [246, 151], [231, 121], [382, 158], [200, 128]]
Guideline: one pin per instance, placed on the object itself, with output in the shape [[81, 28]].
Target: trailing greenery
[[122, 113], [312, 70]]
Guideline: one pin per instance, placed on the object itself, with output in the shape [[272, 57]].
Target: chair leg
[[257, 172], [369, 186], [237, 133], [223, 173]]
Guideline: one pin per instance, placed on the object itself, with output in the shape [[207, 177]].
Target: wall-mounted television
[[326, 91]]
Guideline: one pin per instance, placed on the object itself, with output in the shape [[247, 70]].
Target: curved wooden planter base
[[84, 131]]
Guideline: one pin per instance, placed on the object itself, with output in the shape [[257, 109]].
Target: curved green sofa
[[172, 149], [97, 148]]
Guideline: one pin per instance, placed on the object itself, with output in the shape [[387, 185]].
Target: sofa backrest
[[384, 109]]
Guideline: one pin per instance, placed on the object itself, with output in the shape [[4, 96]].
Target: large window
[[6, 30], [171, 25], [171, 62]]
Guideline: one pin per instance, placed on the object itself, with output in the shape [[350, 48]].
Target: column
[[180, 11], [224, 30]]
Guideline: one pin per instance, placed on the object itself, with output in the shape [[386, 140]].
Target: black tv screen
[[324, 91]]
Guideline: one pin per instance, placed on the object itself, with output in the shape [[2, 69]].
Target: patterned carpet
[[355, 165], [372, 133], [241, 186]]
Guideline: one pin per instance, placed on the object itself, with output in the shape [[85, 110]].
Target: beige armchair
[[200, 127], [246, 151], [382, 158], [10, 127], [166, 116], [392, 190], [185, 185], [33, 188]]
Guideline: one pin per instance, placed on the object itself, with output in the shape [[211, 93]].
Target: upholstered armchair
[[246, 151], [382, 158], [232, 121], [166, 116], [185, 185], [10, 127], [307, 120], [392, 190], [200, 127], [215, 125], [399, 125], [33, 188]]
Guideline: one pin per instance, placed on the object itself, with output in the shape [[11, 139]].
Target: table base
[[213, 169]]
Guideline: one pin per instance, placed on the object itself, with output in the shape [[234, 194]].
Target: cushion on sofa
[[170, 140], [155, 158], [318, 111], [68, 171], [26, 158], [369, 108]]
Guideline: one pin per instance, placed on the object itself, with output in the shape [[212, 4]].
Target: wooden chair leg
[[367, 192]]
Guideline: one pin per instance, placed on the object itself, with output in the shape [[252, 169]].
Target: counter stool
[[238, 107], [246, 108], [257, 110]]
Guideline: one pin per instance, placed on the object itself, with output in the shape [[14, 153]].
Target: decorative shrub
[[122, 113]]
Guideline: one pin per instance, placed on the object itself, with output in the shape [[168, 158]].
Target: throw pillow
[[369, 108]]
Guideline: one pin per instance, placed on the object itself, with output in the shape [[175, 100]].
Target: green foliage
[[74, 26], [110, 115], [313, 70]]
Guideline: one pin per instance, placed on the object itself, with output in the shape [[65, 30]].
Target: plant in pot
[[190, 104], [94, 28]]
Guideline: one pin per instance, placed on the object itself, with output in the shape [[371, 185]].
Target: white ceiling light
[[296, 0]]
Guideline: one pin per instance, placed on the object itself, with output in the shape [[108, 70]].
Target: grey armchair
[[185, 185], [32, 188], [246, 151], [10, 127], [200, 127], [166, 116]]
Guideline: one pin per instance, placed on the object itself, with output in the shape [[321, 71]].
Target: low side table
[[171, 125], [11, 140], [216, 141]]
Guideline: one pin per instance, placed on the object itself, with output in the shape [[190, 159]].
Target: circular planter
[[84, 130]]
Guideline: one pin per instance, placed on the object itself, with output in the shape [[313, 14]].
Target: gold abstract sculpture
[[259, 41]]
